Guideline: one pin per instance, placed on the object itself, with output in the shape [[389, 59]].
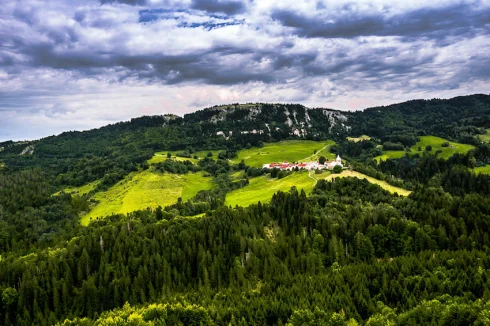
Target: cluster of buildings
[[305, 165]]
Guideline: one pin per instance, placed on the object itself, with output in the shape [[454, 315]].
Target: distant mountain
[[236, 125]]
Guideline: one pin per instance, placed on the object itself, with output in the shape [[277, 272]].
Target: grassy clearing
[[323, 175], [486, 137], [383, 184], [263, 188], [390, 154], [195, 216], [435, 142], [82, 190], [238, 175], [482, 169], [141, 190], [358, 139], [162, 156], [288, 150]]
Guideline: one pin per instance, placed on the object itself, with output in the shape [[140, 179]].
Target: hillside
[[171, 220], [457, 119], [438, 146]]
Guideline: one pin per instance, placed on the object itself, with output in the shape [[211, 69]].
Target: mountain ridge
[[298, 115]]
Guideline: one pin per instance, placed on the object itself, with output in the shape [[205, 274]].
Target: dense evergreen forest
[[350, 253]]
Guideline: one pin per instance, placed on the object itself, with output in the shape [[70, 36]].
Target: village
[[313, 165]]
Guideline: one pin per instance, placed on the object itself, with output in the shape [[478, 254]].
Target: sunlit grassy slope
[[162, 156], [383, 184], [145, 189], [390, 154], [435, 142], [357, 139], [288, 150], [80, 191], [483, 169], [262, 188], [486, 137]]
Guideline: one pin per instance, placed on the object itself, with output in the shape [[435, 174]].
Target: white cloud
[[79, 64]]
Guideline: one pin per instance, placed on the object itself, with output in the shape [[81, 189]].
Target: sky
[[81, 64]]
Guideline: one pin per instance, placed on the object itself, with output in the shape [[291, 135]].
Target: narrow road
[[309, 174], [317, 153]]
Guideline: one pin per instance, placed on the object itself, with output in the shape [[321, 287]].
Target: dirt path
[[317, 153], [309, 174]]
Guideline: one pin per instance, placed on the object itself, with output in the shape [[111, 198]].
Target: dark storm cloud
[[127, 2], [220, 6], [62, 58], [238, 63], [461, 18], [228, 7]]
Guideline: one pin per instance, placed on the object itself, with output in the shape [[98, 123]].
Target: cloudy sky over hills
[[75, 64]]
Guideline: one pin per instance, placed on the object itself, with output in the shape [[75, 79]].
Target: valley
[[150, 189]]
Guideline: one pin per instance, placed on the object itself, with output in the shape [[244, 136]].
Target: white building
[[331, 165], [305, 165]]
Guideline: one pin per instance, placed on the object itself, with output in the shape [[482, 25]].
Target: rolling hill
[[146, 189], [346, 251]]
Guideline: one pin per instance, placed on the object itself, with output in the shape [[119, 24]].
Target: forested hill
[[122, 147], [456, 118], [344, 252], [269, 122], [214, 127]]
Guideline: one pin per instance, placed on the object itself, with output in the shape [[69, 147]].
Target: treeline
[[454, 175], [76, 158], [444, 310], [342, 250], [458, 119], [30, 217]]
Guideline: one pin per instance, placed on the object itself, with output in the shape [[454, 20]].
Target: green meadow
[[435, 142], [263, 188], [486, 137], [482, 169], [162, 156], [358, 139], [390, 154], [288, 150], [140, 190], [383, 184], [80, 191]]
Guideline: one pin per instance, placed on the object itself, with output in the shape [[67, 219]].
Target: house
[[313, 165], [331, 165]]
